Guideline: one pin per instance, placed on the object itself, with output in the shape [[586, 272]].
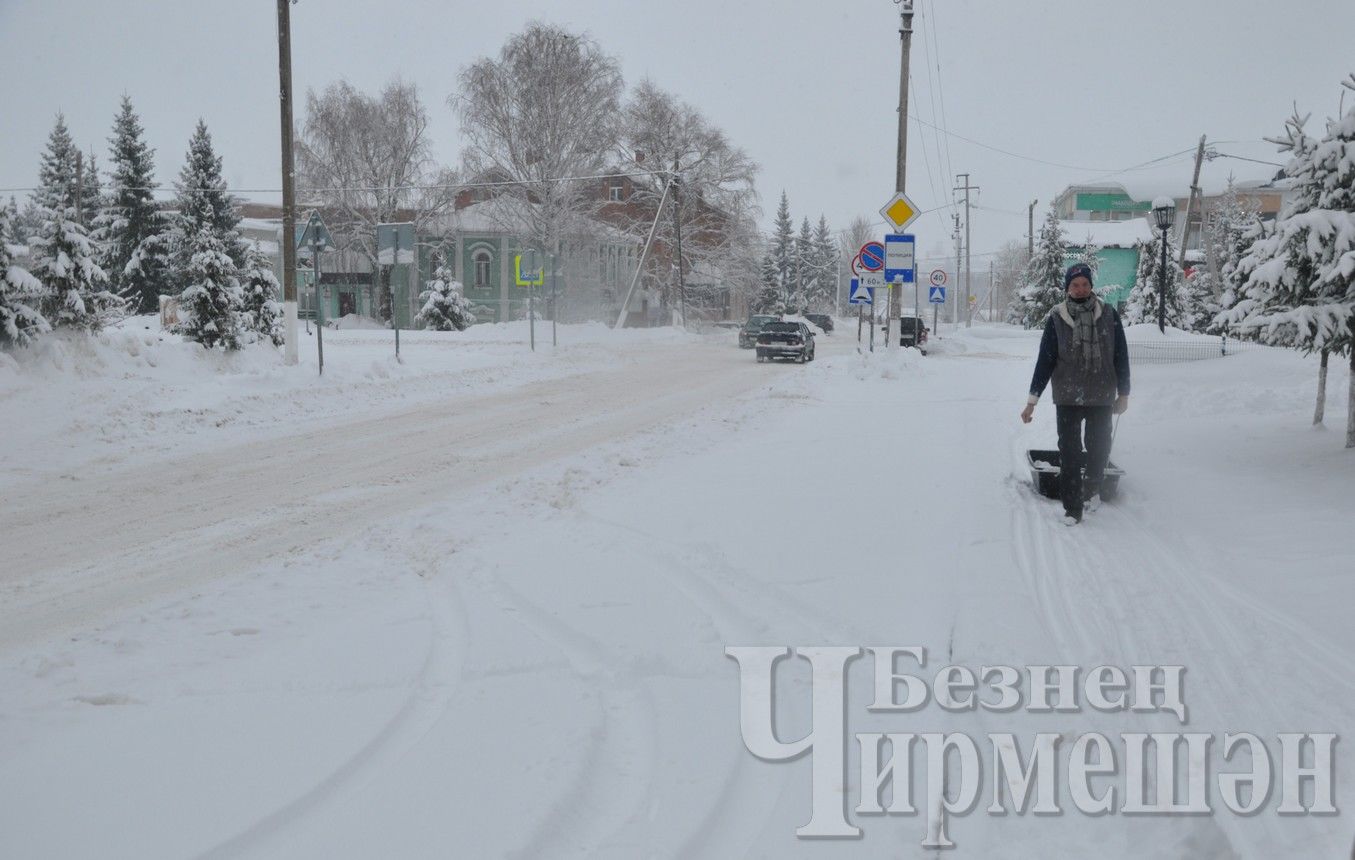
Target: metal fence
[[1196, 348]]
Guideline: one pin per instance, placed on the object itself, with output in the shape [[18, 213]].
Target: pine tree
[[1142, 305], [1042, 283], [20, 293], [444, 304], [133, 227], [56, 174], [203, 202], [1230, 231], [769, 298], [209, 306], [76, 294], [783, 247], [1298, 284], [206, 248], [91, 192], [260, 311], [824, 298], [802, 272]]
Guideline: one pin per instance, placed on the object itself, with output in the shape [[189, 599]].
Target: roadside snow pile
[[884, 364], [1149, 331], [352, 321]]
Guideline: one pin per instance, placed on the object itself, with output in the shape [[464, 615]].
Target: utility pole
[[677, 231], [288, 182], [893, 331], [1030, 230], [968, 263], [955, 290], [1190, 203]]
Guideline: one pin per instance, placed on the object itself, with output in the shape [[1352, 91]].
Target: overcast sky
[[808, 87]]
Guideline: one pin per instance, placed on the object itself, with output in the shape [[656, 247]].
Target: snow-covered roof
[[510, 215], [1108, 234]]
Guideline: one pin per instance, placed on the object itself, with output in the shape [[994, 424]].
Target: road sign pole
[[860, 319], [531, 315], [395, 311], [319, 309]]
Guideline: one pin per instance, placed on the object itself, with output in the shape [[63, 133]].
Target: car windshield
[[781, 326], [760, 321], [909, 324]]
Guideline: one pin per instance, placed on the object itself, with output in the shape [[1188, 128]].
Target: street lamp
[[1164, 213]]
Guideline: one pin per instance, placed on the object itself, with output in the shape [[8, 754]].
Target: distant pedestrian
[[1084, 351]]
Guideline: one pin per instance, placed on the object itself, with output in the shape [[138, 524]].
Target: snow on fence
[[1193, 349]]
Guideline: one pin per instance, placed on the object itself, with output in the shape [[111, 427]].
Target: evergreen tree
[[203, 203], [802, 274], [1143, 300], [91, 192], [260, 311], [133, 227], [206, 249], [65, 263], [1229, 232], [209, 306], [444, 304], [1042, 283], [56, 174], [20, 293], [783, 247], [769, 298], [824, 298], [1298, 284]]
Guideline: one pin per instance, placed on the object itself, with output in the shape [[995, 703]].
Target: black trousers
[[1080, 469]]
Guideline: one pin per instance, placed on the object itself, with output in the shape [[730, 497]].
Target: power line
[[442, 186]]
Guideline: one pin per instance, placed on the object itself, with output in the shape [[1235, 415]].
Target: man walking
[[1084, 351]]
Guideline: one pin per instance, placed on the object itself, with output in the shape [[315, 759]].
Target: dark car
[[785, 340], [748, 334], [823, 321], [913, 332]]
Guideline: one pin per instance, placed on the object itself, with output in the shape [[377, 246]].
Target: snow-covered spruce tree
[[1042, 284], [133, 228], [206, 249], [1232, 229], [824, 297], [1299, 286], [56, 175], [76, 291], [1142, 306], [203, 203], [91, 193], [802, 273], [444, 304], [260, 311], [21, 294], [783, 247], [209, 306], [770, 296]]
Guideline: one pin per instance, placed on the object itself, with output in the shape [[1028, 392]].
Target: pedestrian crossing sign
[[860, 295], [937, 295]]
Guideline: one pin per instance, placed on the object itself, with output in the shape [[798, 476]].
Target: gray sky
[[807, 87]]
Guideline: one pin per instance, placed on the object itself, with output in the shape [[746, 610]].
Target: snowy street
[[489, 618]]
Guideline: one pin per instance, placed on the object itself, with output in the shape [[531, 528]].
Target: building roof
[[1107, 234]]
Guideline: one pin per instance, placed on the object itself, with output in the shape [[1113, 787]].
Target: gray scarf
[[1084, 334]]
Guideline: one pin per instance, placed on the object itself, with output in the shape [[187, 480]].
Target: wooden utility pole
[[893, 331], [968, 262], [1030, 230], [677, 232], [288, 183], [1190, 204]]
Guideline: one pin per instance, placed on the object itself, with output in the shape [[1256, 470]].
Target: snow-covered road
[[495, 625]]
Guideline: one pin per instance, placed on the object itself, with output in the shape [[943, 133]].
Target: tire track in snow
[[427, 702]]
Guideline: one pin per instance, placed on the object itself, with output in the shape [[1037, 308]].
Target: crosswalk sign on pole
[[936, 295], [860, 295]]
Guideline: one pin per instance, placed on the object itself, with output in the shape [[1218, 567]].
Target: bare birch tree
[[540, 116], [368, 159]]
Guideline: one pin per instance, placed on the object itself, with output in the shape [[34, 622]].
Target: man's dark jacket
[[1074, 385]]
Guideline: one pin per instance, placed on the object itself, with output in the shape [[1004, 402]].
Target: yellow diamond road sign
[[899, 212]]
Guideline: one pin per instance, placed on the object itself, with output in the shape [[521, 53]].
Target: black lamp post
[[1164, 213]]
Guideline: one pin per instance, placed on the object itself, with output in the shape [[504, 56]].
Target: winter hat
[[1077, 270]]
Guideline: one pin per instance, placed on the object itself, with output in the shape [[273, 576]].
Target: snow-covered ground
[[477, 604]]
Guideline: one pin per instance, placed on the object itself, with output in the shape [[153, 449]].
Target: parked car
[[823, 321], [785, 340], [748, 334], [913, 332]]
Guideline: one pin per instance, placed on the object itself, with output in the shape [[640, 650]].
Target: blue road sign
[[900, 257], [860, 295], [873, 256], [937, 295]]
